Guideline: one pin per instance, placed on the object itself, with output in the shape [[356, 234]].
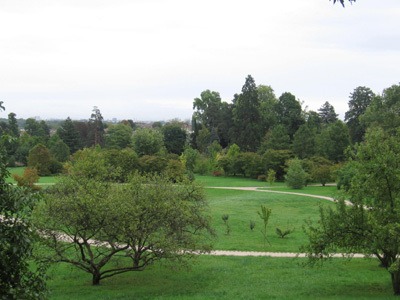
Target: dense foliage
[[371, 223], [18, 278]]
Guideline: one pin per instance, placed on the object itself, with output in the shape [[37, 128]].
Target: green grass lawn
[[20, 171], [227, 277], [231, 278], [232, 181], [328, 191], [288, 211]]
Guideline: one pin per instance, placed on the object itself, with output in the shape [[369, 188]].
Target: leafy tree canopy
[[370, 224], [147, 141], [91, 222], [19, 279]]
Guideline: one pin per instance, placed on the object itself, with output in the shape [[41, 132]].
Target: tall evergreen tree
[[304, 142], [246, 117], [96, 128], [13, 124], [69, 135], [327, 113], [360, 100]]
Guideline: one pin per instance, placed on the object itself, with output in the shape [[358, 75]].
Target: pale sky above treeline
[[148, 60]]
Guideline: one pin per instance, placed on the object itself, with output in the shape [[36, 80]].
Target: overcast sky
[[148, 59]]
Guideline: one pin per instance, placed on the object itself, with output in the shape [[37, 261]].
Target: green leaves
[[147, 218]]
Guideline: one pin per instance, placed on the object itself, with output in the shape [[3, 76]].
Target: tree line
[[255, 133]]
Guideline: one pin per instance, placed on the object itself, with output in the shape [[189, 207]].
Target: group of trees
[[281, 139], [46, 153], [89, 221], [257, 121]]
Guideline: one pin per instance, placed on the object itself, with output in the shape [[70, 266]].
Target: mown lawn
[[231, 278], [228, 277], [288, 211], [20, 171], [232, 181]]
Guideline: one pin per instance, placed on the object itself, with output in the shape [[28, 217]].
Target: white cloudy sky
[[148, 59]]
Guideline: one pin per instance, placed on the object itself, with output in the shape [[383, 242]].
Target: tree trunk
[[396, 282], [96, 279]]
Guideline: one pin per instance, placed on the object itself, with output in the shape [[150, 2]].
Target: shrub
[[175, 171], [39, 159], [252, 224], [202, 166], [28, 179], [296, 177], [11, 161], [225, 218], [283, 233], [271, 176], [217, 173], [262, 178]]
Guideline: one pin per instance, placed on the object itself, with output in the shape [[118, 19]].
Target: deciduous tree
[[371, 223], [118, 136], [21, 276], [147, 141], [40, 159], [87, 223], [174, 138]]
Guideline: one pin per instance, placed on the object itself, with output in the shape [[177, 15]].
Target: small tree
[[371, 223], [264, 215], [147, 141], [225, 218], [271, 176], [296, 177], [88, 222], [283, 233], [28, 179], [40, 159]]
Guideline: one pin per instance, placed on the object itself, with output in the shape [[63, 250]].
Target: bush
[[252, 225], [152, 164], [40, 159], [11, 161], [28, 179], [175, 171], [202, 166], [262, 178], [271, 176], [296, 177], [55, 166]]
